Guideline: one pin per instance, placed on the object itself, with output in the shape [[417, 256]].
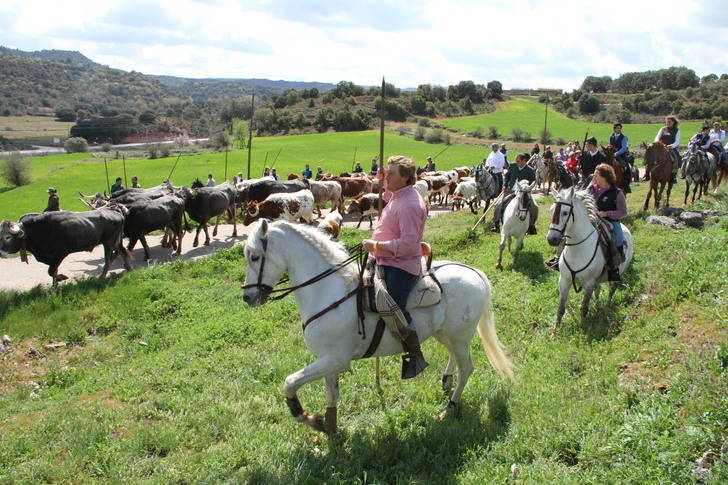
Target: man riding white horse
[[620, 142], [520, 171], [395, 245]]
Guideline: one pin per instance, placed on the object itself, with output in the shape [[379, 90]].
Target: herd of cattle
[[134, 213]]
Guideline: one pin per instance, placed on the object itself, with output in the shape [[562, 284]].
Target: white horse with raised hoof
[[574, 219], [516, 220], [318, 271]]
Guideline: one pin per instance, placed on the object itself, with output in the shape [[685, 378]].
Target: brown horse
[[721, 170], [609, 152], [659, 165]]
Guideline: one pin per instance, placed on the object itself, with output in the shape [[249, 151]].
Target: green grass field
[[170, 378], [529, 116], [334, 152], [34, 129]]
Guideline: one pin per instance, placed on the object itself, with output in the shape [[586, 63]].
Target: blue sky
[[550, 43]]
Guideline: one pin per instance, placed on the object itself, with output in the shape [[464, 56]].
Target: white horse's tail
[[491, 344]]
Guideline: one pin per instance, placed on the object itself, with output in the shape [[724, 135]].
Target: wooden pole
[[378, 370], [495, 202], [353, 161], [108, 184], [545, 117], [226, 153], [169, 177], [250, 132], [123, 162]]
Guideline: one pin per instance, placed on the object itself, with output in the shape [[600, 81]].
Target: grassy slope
[[36, 129], [333, 151], [529, 116], [180, 382]]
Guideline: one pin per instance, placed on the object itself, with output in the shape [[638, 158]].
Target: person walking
[[54, 203], [117, 185], [396, 246], [210, 180]]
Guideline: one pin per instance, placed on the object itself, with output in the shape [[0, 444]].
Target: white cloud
[[522, 43]]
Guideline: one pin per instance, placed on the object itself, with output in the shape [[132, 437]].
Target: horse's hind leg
[[451, 363], [322, 367], [585, 301], [464, 361], [500, 253]]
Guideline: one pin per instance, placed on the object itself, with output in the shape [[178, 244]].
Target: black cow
[[207, 202], [258, 191], [52, 236], [128, 196], [147, 215]]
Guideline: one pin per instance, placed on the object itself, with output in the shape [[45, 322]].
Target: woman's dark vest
[[668, 135], [607, 201]]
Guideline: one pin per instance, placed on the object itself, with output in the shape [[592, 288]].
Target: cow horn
[[84, 202], [253, 209]]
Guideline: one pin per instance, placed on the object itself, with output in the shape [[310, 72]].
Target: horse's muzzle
[[255, 296], [553, 239]]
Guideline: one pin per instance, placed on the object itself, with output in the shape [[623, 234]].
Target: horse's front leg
[[564, 284], [647, 200], [500, 252], [332, 398], [687, 192], [585, 301], [322, 367]]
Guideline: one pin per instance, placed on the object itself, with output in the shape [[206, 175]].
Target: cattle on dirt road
[[159, 214], [204, 203], [51, 236], [324, 192], [291, 207], [366, 205]]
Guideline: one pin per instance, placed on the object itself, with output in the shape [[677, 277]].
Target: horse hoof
[[194, 244], [316, 422], [61, 277], [452, 410], [499, 266]]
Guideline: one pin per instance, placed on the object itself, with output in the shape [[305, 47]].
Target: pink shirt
[[400, 229]]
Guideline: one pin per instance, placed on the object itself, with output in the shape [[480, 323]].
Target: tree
[[76, 145], [16, 170], [147, 118], [595, 84], [418, 104], [239, 132], [495, 88], [65, 114], [708, 79], [588, 104], [235, 108]]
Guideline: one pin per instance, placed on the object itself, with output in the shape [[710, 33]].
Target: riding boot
[[413, 362], [673, 178], [613, 263], [532, 229]]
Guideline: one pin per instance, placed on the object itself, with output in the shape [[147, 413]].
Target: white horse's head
[[265, 266], [523, 198], [571, 207]]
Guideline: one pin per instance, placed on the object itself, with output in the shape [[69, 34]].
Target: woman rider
[[670, 136], [611, 206]]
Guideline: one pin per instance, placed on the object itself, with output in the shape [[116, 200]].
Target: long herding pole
[[441, 152], [353, 161], [493, 204], [264, 162], [377, 364], [250, 132], [108, 184], [273, 163], [545, 117], [169, 177], [226, 151], [123, 162]]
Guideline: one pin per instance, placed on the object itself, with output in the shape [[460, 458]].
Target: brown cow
[[292, 176], [462, 172], [290, 207], [354, 187], [326, 191], [366, 205]]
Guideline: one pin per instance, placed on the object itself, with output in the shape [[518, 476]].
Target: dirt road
[[19, 276]]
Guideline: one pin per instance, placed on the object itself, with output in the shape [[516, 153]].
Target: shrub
[[16, 170], [164, 151], [420, 133], [423, 121], [493, 132], [182, 141], [560, 141], [545, 137], [76, 144], [404, 130], [447, 139], [152, 152], [517, 134], [106, 147], [588, 104], [434, 136], [527, 136], [311, 103], [477, 132]]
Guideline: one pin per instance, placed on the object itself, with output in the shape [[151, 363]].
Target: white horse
[[334, 332], [541, 169], [516, 219], [574, 218]]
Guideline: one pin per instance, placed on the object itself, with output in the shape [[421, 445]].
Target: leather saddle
[[426, 292]]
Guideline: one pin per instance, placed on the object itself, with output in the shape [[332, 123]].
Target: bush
[[517, 134], [447, 139], [423, 121], [477, 132], [560, 141], [182, 141], [311, 103], [16, 170], [588, 104], [76, 144], [403, 130], [164, 151], [527, 136], [545, 137], [420, 133], [493, 132], [434, 136], [152, 152], [106, 147]]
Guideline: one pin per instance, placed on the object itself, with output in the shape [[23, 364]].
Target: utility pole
[[250, 132]]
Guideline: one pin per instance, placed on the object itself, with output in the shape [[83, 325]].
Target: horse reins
[[561, 231]]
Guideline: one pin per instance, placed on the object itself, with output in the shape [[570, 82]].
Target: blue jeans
[[618, 235], [399, 284]]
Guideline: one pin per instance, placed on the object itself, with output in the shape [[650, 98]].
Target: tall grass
[[177, 381]]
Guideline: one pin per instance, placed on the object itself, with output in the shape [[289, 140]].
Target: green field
[[34, 129], [169, 378], [333, 151], [529, 116]]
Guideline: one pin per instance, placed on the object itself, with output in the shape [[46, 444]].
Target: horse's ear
[[263, 229], [532, 186]]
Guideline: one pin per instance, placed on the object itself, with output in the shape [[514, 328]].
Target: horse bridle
[[523, 210], [555, 220]]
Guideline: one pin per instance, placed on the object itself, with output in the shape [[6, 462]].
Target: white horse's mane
[[589, 204], [333, 252]]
